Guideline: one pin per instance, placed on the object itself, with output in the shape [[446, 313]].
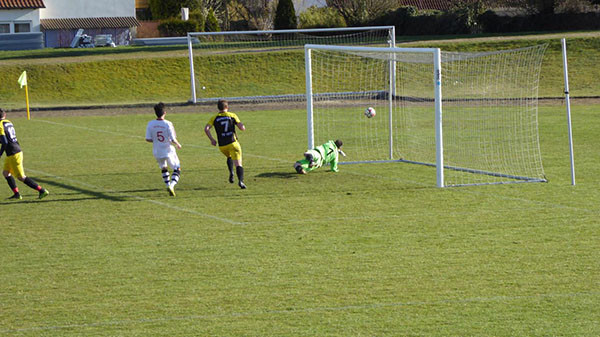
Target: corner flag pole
[[27, 102], [23, 82]]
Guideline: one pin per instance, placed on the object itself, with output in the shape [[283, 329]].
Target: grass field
[[374, 250]]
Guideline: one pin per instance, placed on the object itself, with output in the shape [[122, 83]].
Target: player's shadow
[[95, 194], [279, 175]]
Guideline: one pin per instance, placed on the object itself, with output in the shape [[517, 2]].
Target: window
[[22, 27], [4, 28]]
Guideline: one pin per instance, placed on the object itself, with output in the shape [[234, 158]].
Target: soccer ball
[[370, 112]]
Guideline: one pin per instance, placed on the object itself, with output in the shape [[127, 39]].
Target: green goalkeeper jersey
[[329, 153]]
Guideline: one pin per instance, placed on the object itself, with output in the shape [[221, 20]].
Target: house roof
[[428, 4], [21, 4], [89, 23], [142, 3]]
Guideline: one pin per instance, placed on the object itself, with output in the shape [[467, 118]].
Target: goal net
[[472, 116], [264, 66]]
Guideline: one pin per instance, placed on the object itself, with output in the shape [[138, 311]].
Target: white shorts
[[172, 161]]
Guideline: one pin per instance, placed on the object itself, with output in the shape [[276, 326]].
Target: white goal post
[[473, 116], [258, 52]]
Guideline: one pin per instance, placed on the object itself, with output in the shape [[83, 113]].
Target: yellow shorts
[[14, 165], [233, 150]]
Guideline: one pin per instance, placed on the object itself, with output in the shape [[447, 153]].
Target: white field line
[[156, 202], [371, 306], [467, 190]]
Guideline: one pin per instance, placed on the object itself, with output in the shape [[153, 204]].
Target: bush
[[285, 16], [198, 16], [493, 23], [165, 9], [425, 24], [401, 18], [177, 27], [212, 24], [467, 14], [321, 17]]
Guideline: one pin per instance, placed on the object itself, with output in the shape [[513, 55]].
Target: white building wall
[[64, 9], [22, 15], [302, 5]]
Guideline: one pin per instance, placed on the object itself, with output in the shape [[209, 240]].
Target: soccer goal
[[472, 116], [271, 61]]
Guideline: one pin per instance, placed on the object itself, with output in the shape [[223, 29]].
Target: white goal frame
[[436, 77], [193, 38]]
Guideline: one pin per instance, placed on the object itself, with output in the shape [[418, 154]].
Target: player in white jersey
[[161, 133]]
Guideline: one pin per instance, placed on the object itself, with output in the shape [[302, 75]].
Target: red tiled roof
[[21, 4], [89, 23]]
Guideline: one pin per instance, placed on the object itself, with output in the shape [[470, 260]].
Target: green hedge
[[493, 23], [468, 19], [321, 17], [177, 27]]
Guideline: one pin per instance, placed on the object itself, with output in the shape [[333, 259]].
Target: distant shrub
[[467, 14], [198, 16], [212, 24], [285, 15], [493, 23], [177, 27], [321, 17], [164, 9], [398, 17]]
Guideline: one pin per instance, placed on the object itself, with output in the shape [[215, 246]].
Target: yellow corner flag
[[23, 82], [23, 79]]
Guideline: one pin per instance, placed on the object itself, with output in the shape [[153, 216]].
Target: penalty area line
[[152, 201]]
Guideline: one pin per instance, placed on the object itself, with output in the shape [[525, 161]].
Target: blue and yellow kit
[[8, 138]]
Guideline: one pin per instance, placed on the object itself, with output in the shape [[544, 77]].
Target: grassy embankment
[[128, 75]]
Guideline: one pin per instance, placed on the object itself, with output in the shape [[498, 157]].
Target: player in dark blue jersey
[[13, 163]]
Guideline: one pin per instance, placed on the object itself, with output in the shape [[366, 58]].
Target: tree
[[164, 9], [212, 24], [285, 15], [321, 17], [359, 12], [534, 6], [544, 6], [220, 7], [257, 13]]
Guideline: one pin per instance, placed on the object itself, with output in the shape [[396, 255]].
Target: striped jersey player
[[161, 133]]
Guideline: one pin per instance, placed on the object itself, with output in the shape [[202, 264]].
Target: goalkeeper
[[327, 153]]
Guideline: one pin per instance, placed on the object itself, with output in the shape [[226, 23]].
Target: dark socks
[[230, 167], [29, 182], [12, 184], [240, 173]]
